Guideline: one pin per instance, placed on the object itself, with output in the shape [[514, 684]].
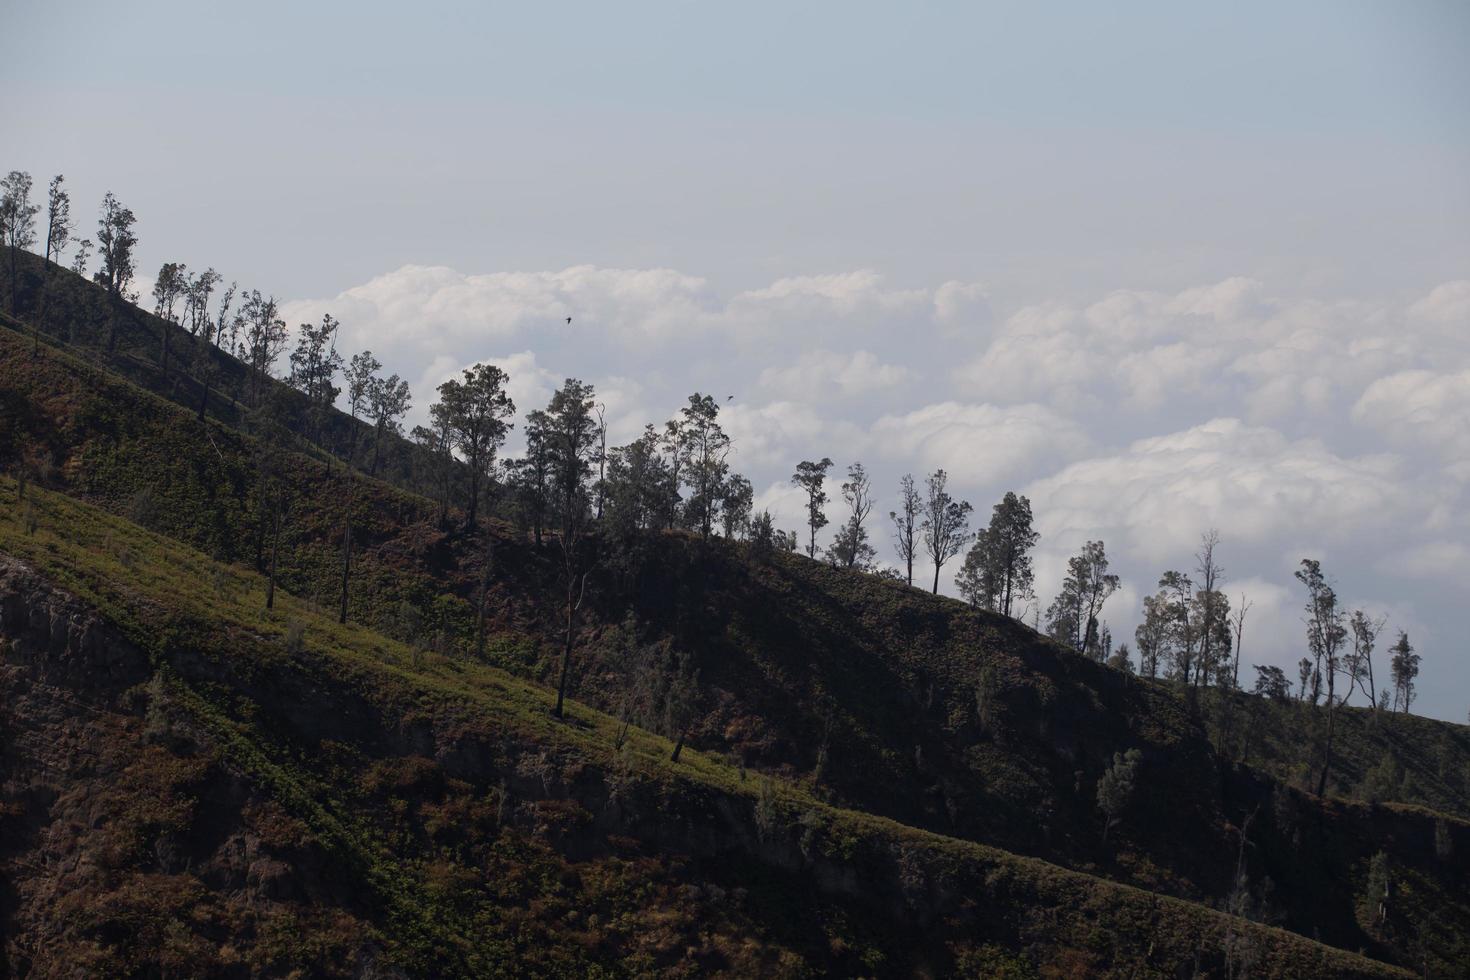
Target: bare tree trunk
[[270, 582], [484, 593], [566, 652], [474, 494], [678, 747], [208, 377], [346, 565], [1327, 754]]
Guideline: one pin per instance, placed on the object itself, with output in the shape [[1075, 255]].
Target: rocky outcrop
[[54, 639]]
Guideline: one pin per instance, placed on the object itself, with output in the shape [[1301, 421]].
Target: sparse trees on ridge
[[680, 476]]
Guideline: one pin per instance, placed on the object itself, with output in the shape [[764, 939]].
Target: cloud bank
[[1298, 425]]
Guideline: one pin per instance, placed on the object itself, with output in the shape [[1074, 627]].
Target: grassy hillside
[[859, 695], [305, 795], [59, 308]]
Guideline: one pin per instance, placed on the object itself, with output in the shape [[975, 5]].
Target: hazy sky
[[1161, 268]]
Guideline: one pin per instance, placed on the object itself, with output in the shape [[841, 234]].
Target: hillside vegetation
[[868, 763], [277, 791]]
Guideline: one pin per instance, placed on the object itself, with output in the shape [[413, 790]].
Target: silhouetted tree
[[810, 476], [437, 442], [314, 366], [1239, 627], [197, 290], [1325, 637], [1403, 667], [388, 402], [532, 473], [1152, 635], [906, 525], [17, 225], [705, 447], [80, 260], [206, 358], [475, 409], [763, 535], [739, 497], [1359, 660], [265, 339], [116, 241], [637, 487], [167, 288], [58, 219], [946, 522], [359, 374], [58, 233], [1119, 659], [672, 443], [568, 432], [1213, 620], [850, 547], [997, 568], [1271, 682], [1072, 617]]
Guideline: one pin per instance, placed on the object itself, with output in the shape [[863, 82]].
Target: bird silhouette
[[569, 319], [728, 397]]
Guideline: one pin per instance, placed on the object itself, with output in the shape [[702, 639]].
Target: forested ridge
[[583, 710]]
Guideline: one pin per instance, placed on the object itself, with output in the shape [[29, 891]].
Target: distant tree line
[[569, 483]]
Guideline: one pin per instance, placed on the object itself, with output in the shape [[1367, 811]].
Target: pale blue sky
[[1160, 266]]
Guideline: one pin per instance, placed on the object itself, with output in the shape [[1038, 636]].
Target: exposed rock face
[[131, 844], [117, 817], [52, 639]]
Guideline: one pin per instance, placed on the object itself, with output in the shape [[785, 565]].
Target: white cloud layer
[[1297, 425]]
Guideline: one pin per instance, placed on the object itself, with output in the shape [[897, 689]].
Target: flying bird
[[569, 319]]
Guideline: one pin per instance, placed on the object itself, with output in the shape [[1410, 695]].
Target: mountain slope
[[285, 767], [860, 694]]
